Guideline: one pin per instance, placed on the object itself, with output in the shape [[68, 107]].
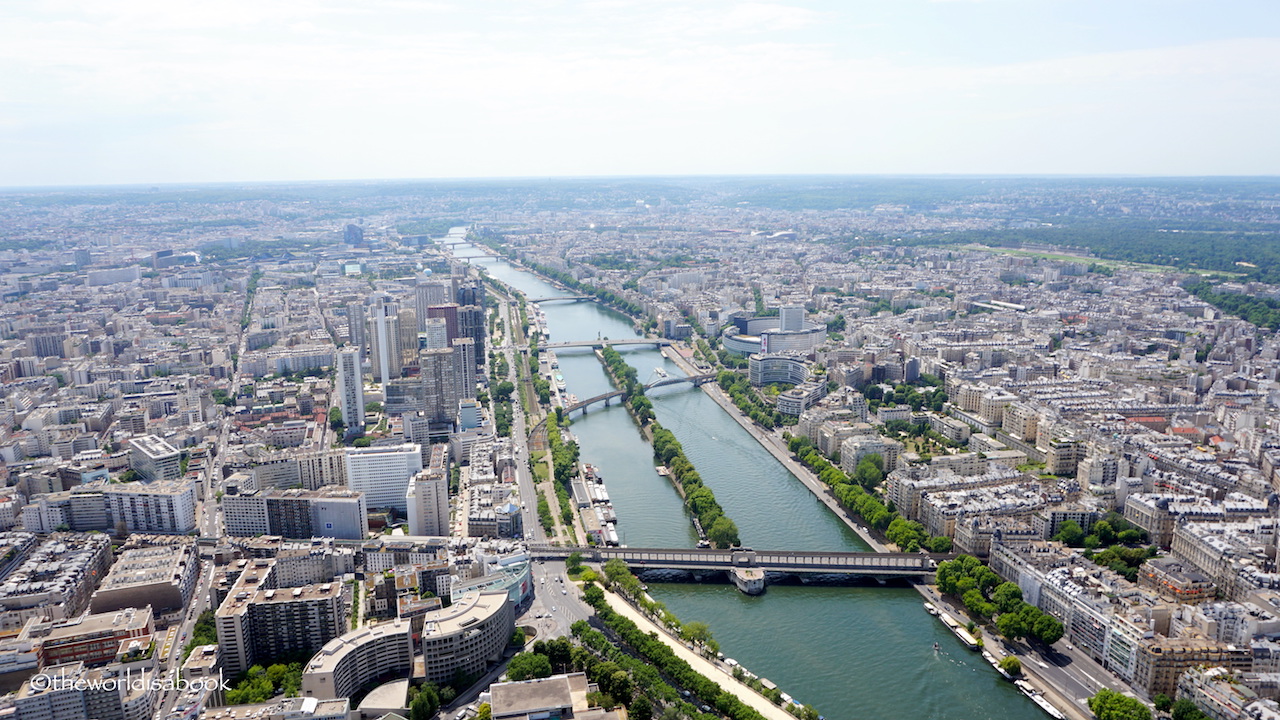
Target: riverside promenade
[[717, 673]]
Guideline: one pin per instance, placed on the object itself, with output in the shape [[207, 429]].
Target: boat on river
[[1037, 697], [931, 609]]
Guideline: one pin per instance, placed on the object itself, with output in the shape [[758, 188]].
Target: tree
[[1184, 709], [1162, 702], [1012, 625], [1048, 630], [940, 544], [640, 709], [696, 632], [502, 391], [559, 653], [527, 665], [425, 703], [1105, 533], [573, 563], [1070, 533], [484, 712], [868, 472], [1110, 705], [1011, 665], [618, 685], [724, 533], [335, 419], [1007, 597]]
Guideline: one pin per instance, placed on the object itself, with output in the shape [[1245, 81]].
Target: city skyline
[[155, 93]]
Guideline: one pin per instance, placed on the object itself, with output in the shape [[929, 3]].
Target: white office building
[[382, 473], [154, 459]]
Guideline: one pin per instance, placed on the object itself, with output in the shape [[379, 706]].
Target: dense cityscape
[[339, 451]]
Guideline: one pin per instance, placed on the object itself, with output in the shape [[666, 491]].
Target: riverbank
[[706, 513], [714, 671], [1030, 671], [848, 651], [779, 451], [775, 447]]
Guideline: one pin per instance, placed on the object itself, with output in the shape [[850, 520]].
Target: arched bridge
[[606, 397], [660, 342], [782, 561], [566, 298], [695, 379]]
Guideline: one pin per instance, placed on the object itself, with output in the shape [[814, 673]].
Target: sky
[[172, 91]]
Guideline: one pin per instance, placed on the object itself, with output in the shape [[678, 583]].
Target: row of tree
[[604, 295], [984, 595], [625, 377], [718, 528], [619, 577], [564, 460], [697, 497], [852, 492], [664, 659], [739, 390], [1261, 311]]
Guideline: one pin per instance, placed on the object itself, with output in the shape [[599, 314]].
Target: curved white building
[[349, 662], [785, 332], [776, 368], [468, 635]]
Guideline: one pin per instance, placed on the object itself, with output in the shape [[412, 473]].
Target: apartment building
[[259, 621]]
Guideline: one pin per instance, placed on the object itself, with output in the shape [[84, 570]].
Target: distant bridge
[[605, 397], [567, 298], [660, 342], [871, 564], [480, 256]]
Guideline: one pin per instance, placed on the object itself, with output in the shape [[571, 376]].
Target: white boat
[[660, 372], [1038, 698], [931, 609]]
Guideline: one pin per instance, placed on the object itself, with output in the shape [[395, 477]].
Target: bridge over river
[[746, 567]]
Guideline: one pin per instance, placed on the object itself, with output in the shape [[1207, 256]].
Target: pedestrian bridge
[[566, 298], [606, 397], [871, 564]]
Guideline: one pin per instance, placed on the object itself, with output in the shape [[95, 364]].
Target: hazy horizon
[[540, 178], [142, 92]]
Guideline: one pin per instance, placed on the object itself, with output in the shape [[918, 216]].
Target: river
[[853, 652]]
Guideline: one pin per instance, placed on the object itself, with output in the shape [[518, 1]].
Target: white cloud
[[322, 88]]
